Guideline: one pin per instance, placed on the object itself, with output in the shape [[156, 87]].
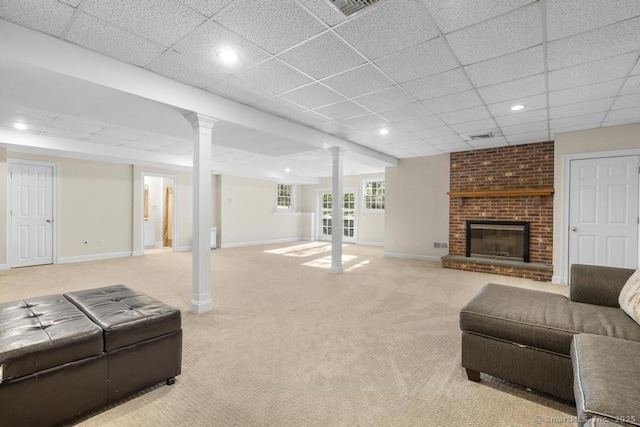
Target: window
[[374, 195], [284, 196]]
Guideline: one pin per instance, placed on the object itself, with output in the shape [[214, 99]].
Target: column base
[[336, 270], [199, 307]]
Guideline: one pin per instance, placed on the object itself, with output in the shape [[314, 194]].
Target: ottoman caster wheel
[[171, 381]]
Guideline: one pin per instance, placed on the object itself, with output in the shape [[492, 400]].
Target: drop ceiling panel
[[566, 122], [480, 144], [274, 76], [323, 56], [457, 101], [469, 115], [455, 147], [593, 72], [531, 103], [438, 85], [522, 117], [278, 106], [514, 89], [48, 16], [425, 59], [186, 70], [73, 3], [407, 111], [475, 127], [602, 43], [625, 114], [207, 7], [430, 133], [359, 81], [365, 122], [418, 123], [342, 110], [274, 26], [626, 101], [309, 118], [588, 107], [585, 93], [100, 36], [387, 28], [512, 66], [569, 17], [324, 11], [444, 140], [505, 34], [234, 88], [161, 21], [632, 85], [82, 125], [525, 138], [386, 99], [454, 14], [526, 128], [313, 96]]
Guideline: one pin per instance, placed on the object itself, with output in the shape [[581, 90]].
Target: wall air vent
[[349, 7]]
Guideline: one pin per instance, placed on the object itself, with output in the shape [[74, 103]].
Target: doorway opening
[[159, 219]]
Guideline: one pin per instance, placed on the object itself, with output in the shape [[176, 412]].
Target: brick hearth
[[521, 167]]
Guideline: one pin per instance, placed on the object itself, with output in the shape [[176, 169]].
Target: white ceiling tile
[[468, 115], [475, 127], [142, 145], [418, 123], [358, 81], [274, 26], [104, 139], [457, 101], [593, 72], [323, 56], [207, 7], [325, 12], [161, 21], [454, 147], [81, 125], [525, 128], [65, 133], [574, 128], [514, 89], [522, 117], [391, 26], [206, 42], [608, 41], [238, 90], [522, 138], [438, 85], [426, 150], [121, 132], [105, 38], [584, 93], [310, 118], [407, 111], [274, 76], [531, 103], [386, 99], [73, 3], [278, 106], [313, 96], [453, 14], [626, 101], [365, 122], [632, 85], [342, 110], [569, 17], [508, 33], [186, 70], [597, 106], [425, 59], [587, 119], [28, 115], [628, 121], [628, 113], [432, 133], [479, 144], [508, 67], [48, 16], [636, 69]]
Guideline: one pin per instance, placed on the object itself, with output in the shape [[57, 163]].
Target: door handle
[[574, 228], [48, 219]]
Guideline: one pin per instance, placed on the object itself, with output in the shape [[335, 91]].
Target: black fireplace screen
[[505, 240]]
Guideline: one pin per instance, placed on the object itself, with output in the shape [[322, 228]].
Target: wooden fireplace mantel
[[503, 193]]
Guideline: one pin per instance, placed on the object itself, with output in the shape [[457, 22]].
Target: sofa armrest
[[599, 285]]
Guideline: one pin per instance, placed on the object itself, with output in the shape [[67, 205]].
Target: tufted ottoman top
[[126, 316], [42, 332]]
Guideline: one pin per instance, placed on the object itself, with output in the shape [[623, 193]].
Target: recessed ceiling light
[[20, 126], [517, 107], [287, 170], [228, 56], [383, 131]]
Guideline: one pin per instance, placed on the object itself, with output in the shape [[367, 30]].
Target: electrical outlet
[[85, 242]]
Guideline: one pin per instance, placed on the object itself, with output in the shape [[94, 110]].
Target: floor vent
[[349, 7]]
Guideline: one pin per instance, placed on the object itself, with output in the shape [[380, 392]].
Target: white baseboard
[[96, 257], [184, 248], [263, 242], [413, 256], [137, 253], [4, 266], [379, 244], [556, 280]]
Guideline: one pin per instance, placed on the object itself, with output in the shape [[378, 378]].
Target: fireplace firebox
[[503, 240]]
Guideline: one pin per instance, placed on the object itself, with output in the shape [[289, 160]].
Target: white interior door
[[603, 211], [31, 215], [349, 225]]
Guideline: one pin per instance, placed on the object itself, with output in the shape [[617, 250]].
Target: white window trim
[[364, 196], [292, 208]]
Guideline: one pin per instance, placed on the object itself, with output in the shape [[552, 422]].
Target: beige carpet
[[288, 344]]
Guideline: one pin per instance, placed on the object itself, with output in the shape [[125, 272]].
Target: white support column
[[336, 210], [201, 253]]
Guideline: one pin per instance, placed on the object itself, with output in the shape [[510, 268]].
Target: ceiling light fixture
[[20, 126], [228, 56], [287, 170], [517, 107], [383, 131]]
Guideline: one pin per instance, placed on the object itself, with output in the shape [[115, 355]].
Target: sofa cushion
[[126, 316], [541, 320], [43, 332], [606, 374], [629, 298]]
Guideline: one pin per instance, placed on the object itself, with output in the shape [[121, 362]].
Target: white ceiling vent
[[349, 7], [486, 135]]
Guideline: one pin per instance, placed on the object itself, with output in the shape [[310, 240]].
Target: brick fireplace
[[508, 184]]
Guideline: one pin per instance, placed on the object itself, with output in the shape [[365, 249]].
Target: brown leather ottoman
[[142, 337], [52, 364]]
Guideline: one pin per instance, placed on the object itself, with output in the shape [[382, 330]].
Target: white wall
[[417, 207], [606, 139]]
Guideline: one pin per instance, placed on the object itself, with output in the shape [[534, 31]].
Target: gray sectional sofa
[[527, 337]]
